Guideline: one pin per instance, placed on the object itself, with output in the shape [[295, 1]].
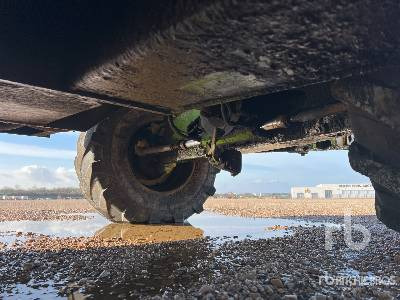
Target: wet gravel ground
[[292, 266], [264, 207], [39, 210]]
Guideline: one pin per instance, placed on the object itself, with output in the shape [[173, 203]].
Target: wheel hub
[[159, 171]]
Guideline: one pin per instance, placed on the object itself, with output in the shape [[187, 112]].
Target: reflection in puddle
[[66, 228], [204, 224], [218, 227], [149, 233], [22, 291], [10, 231]]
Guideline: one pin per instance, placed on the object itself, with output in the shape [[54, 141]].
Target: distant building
[[327, 191]]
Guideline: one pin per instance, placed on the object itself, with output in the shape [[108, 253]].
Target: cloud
[[7, 148], [39, 176]]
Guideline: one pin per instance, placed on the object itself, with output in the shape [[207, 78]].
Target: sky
[[49, 162]]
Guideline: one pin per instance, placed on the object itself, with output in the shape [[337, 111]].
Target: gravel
[[266, 207], [40, 210], [296, 266]]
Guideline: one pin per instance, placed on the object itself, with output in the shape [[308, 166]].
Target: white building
[[326, 191]]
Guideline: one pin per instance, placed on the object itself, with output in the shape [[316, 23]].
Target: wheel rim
[[158, 172]]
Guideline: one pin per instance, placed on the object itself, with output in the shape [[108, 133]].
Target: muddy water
[[201, 225], [217, 227]]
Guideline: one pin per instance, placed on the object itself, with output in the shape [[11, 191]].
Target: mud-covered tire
[[376, 154], [111, 187], [387, 206], [373, 107], [374, 110]]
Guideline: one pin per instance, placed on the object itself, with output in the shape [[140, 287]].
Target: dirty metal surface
[[53, 44], [308, 133], [179, 54], [377, 95], [296, 135], [23, 104], [235, 49], [303, 141]]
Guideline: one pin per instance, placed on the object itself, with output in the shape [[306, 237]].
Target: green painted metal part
[[236, 138], [183, 120]]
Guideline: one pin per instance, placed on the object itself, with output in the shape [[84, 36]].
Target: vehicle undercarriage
[[170, 92]]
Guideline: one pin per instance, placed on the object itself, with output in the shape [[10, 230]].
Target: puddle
[[218, 227], [150, 233], [229, 227], [66, 228], [9, 230], [202, 225], [22, 291]]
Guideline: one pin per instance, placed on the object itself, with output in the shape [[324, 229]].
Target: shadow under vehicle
[[170, 92]]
